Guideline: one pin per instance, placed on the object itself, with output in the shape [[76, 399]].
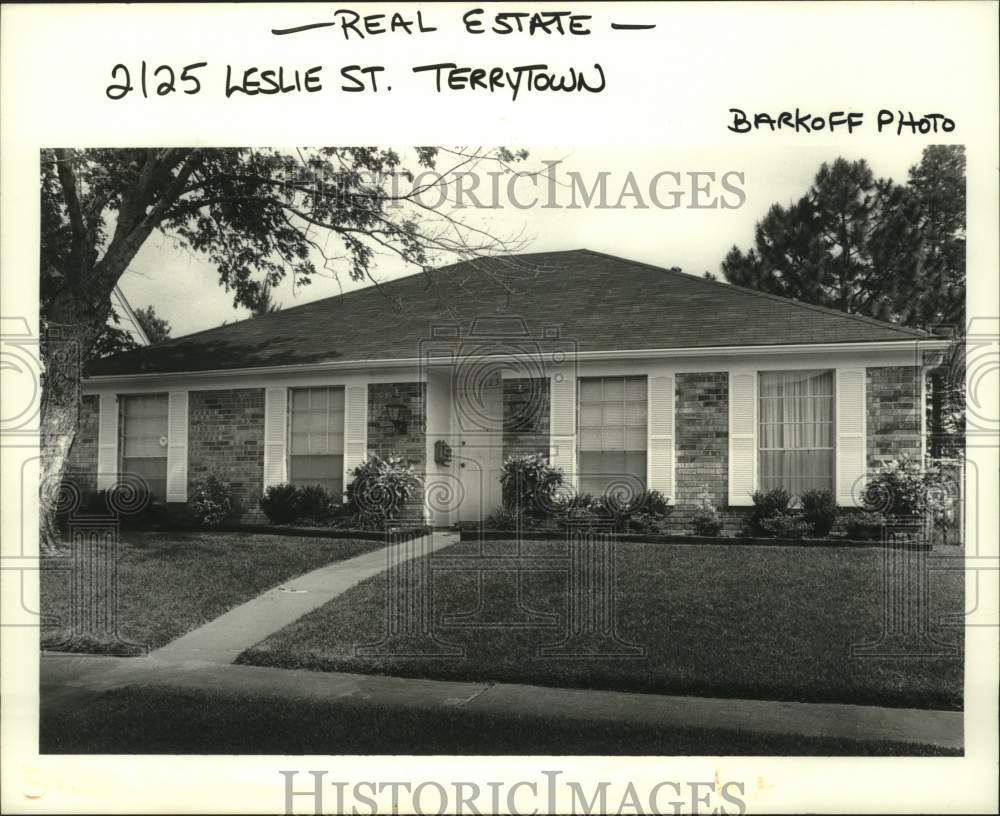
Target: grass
[[727, 621], [153, 720], [169, 584]]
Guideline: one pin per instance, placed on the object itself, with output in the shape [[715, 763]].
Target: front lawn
[[730, 621], [169, 583]]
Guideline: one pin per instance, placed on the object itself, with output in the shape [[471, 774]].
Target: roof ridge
[[815, 307]]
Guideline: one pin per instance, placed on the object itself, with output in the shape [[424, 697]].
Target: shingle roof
[[601, 302]]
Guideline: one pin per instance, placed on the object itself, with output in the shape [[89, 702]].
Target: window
[[796, 430], [612, 433], [316, 454], [144, 441]]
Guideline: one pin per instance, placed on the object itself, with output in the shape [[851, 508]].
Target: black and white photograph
[[467, 476]]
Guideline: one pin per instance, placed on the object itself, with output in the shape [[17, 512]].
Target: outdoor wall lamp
[[397, 412]]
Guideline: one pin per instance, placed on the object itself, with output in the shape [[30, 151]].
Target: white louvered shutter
[[355, 428], [742, 437], [562, 424], [107, 441], [275, 436], [661, 433], [177, 446], [850, 430]]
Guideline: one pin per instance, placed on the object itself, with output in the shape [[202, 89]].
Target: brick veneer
[[226, 437], [81, 464], [526, 427], [382, 436], [894, 397], [701, 444]]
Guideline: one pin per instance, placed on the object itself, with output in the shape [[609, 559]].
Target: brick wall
[[701, 445], [81, 465], [525, 416], [894, 405], [226, 437], [383, 439]]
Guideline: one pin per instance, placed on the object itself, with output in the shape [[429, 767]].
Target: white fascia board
[[221, 378]]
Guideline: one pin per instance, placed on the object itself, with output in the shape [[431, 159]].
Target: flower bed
[[478, 534]]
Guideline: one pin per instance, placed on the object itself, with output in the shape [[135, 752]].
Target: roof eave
[[915, 343]]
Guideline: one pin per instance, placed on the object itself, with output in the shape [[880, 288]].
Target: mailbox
[[442, 452]]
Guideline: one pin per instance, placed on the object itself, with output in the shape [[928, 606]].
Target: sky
[[184, 288]]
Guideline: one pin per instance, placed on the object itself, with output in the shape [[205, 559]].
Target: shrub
[[819, 510], [530, 484], [280, 503], [380, 489], [903, 488], [314, 505], [212, 501], [647, 523], [706, 520], [652, 502], [367, 520], [504, 518], [786, 526], [864, 526], [767, 505], [580, 516]]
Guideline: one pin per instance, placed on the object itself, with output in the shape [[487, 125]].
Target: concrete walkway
[[68, 680], [202, 660], [222, 639]]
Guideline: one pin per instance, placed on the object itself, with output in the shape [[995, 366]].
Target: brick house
[[624, 374]]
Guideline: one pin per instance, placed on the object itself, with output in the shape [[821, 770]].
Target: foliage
[[819, 510], [367, 519], [212, 501], [313, 505], [652, 502], [868, 246], [863, 526], [380, 488], [580, 516], [530, 484], [256, 215], [156, 328], [265, 304], [766, 505], [505, 518], [648, 523], [280, 503], [901, 487], [111, 339], [791, 525], [706, 521], [873, 247]]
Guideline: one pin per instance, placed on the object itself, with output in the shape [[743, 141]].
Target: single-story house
[[620, 372]]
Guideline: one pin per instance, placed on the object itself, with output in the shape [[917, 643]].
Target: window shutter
[[661, 433], [851, 415], [742, 437], [107, 441], [275, 435], [177, 446], [562, 424], [355, 428]]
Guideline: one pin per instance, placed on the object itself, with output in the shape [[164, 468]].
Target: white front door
[[479, 453]]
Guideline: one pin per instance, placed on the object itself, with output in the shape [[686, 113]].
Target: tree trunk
[[65, 346]]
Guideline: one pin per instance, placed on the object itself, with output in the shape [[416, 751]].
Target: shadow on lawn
[[153, 720]]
